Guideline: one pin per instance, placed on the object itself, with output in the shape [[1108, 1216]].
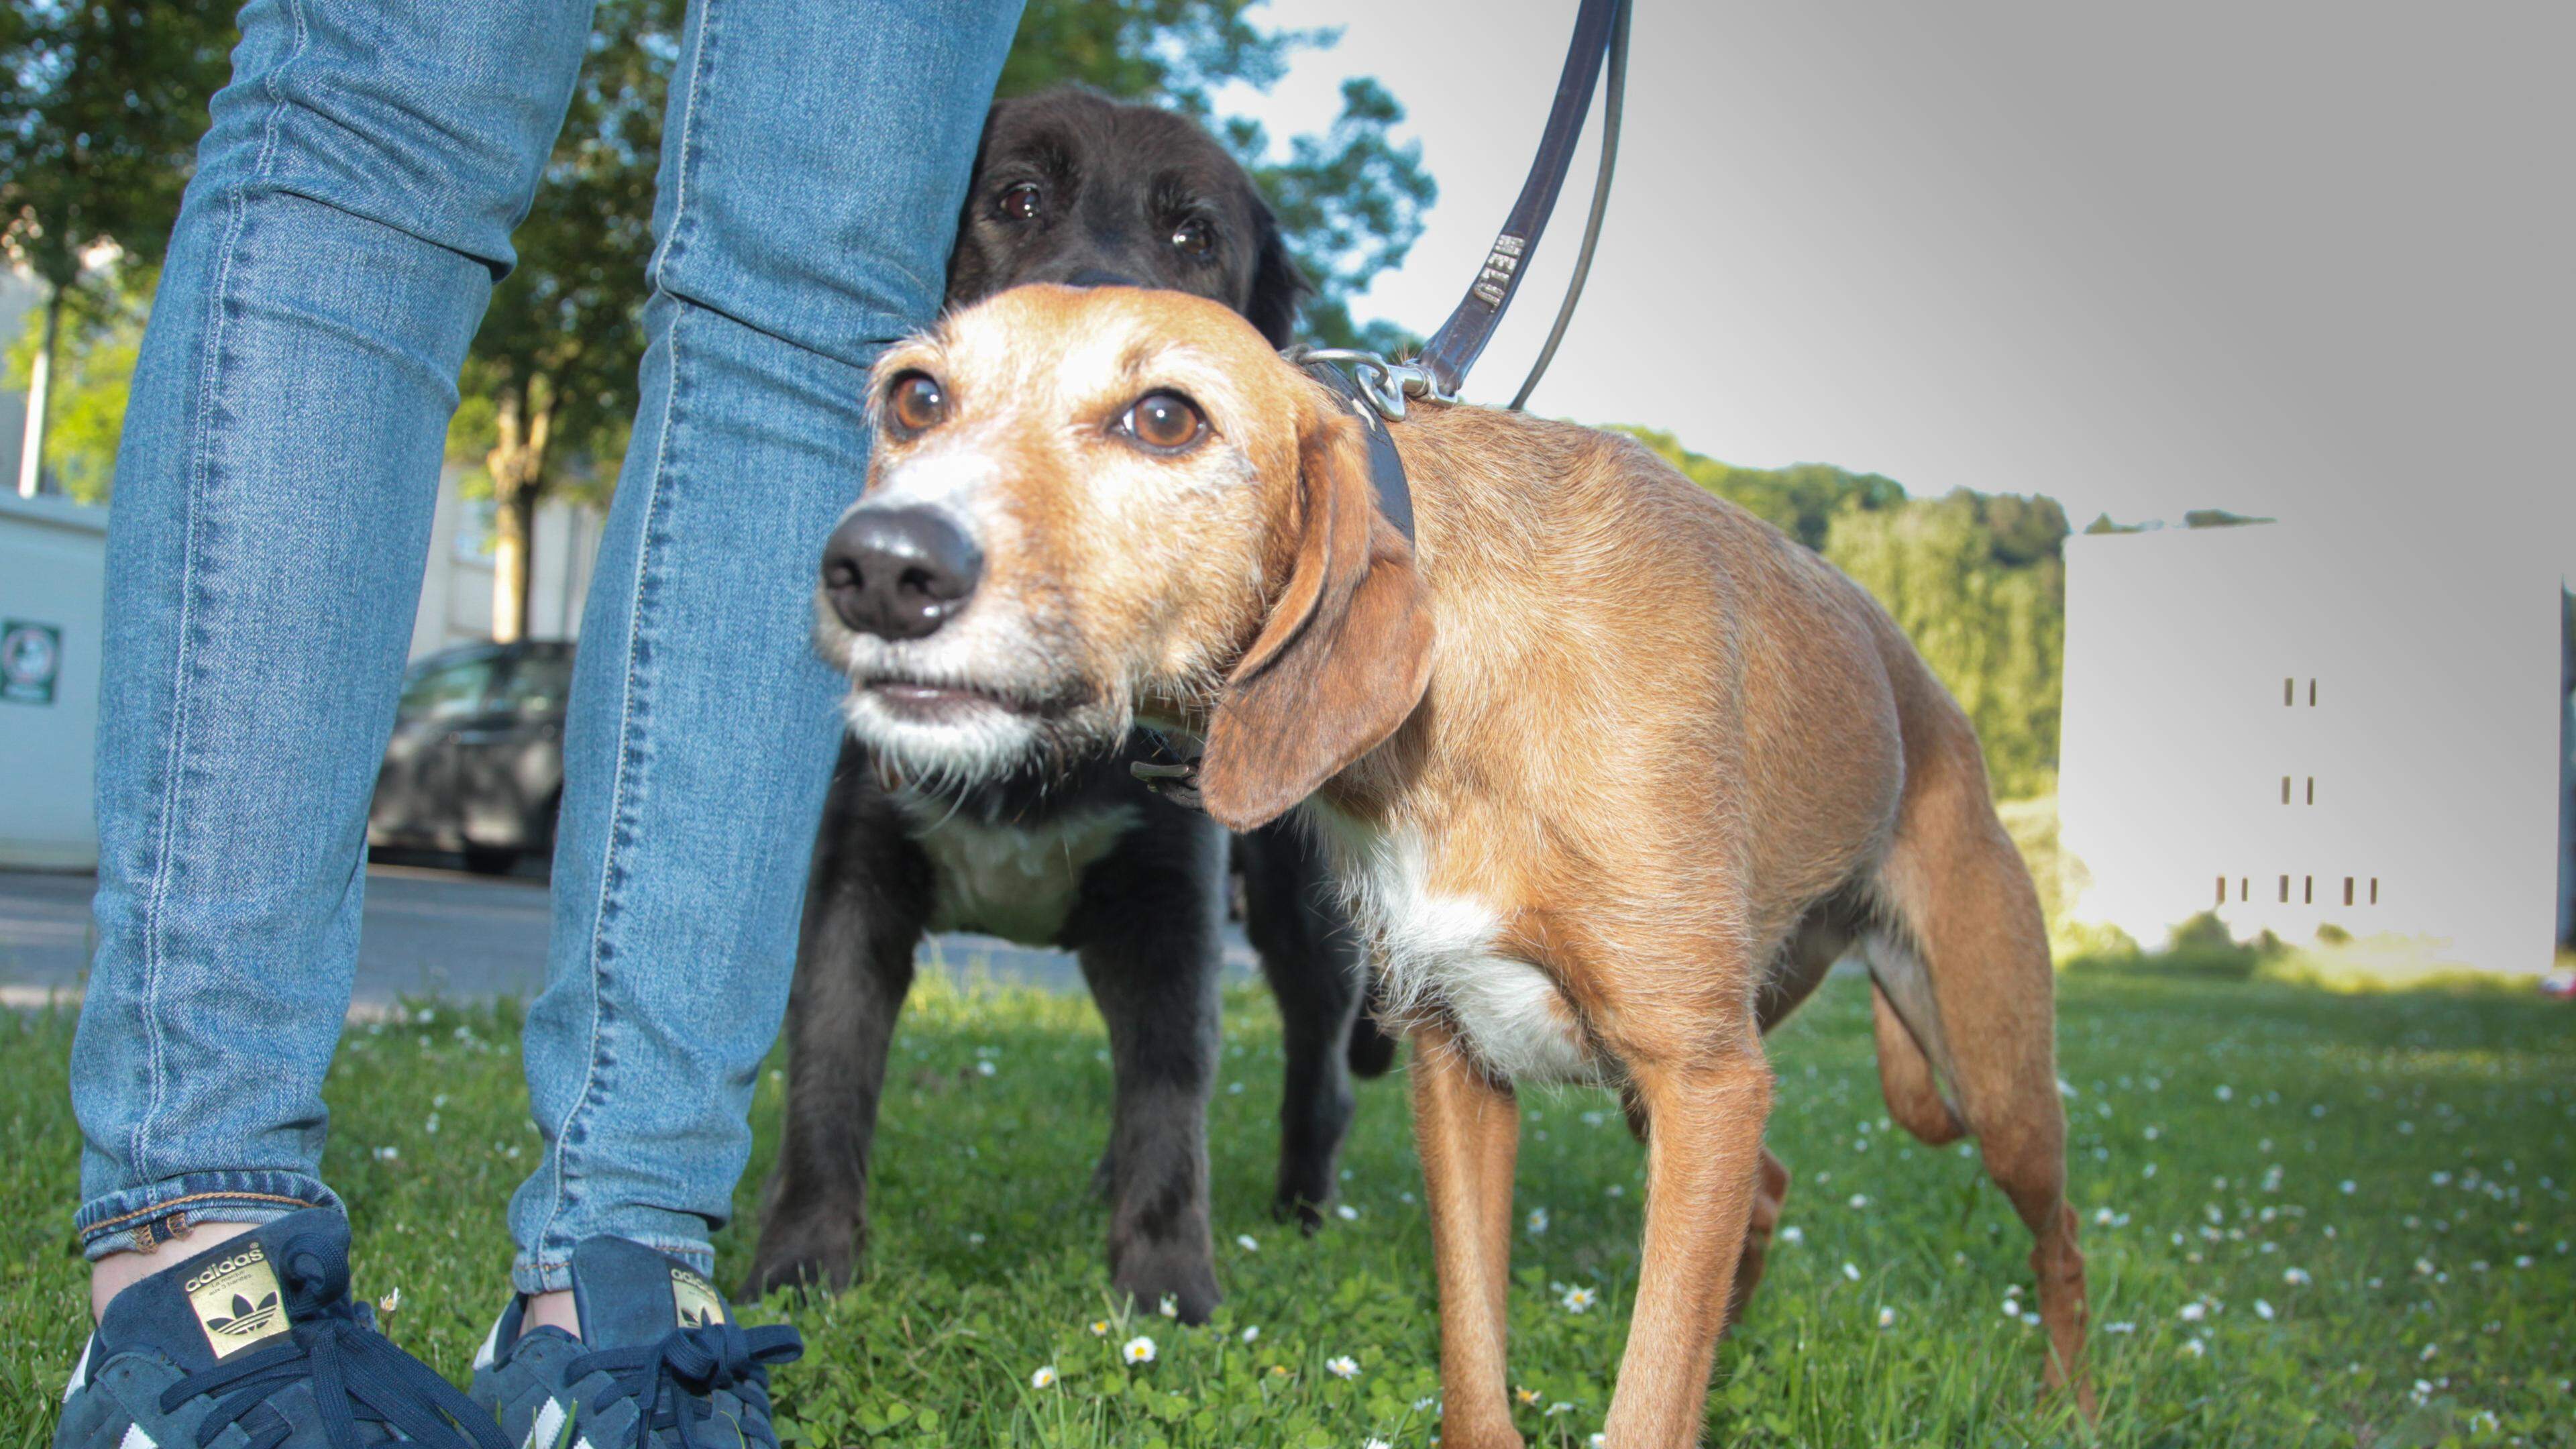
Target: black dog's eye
[[1194, 236], [1020, 203], [1164, 422], [914, 404]]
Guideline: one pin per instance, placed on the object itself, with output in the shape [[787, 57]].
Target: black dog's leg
[[1311, 957], [1146, 927], [864, 907]]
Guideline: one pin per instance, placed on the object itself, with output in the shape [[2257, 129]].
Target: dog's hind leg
[[1311, 958], [1961, 912], [865, 904]]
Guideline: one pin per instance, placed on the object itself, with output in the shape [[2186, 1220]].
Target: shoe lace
[[671, 1379], [356, 1374]]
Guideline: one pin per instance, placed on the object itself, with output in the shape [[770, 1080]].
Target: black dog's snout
[[899, 573], [1101, 277]]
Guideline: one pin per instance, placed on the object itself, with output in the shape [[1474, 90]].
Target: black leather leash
[[1600, 38]]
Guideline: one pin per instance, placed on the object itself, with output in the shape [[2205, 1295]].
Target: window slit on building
[[2245, 887], [2347, 890], [2312, 694], [2308, 891], [2222, 890], [2285, 890], [2374, 890], [2285, 789], [2289, 692], [2312, 789]]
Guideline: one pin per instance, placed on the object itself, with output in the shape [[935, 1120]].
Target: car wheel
[[484, 860]]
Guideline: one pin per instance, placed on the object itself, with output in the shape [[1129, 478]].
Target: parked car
[[475, 765]]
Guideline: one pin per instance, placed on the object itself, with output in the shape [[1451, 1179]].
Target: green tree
[[1978, 582], [101, 333], [101, 105]]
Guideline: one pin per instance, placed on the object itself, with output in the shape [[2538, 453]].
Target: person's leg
[[814, 159], [351, 207]]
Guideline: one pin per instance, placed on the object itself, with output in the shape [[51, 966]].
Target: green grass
[[2216, 1125]]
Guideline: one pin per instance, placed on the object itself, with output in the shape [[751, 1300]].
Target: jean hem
[[145, 1219], [551, 1271]]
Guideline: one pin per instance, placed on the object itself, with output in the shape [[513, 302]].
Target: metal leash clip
[[1385, 384]]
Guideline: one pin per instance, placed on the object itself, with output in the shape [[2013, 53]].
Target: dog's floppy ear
[[1345, 653], [1278, 288]]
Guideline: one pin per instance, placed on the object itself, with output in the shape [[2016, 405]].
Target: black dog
[[1073, 188]]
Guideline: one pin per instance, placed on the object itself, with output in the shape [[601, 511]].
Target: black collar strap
[[1455, 347], [1386, 468]]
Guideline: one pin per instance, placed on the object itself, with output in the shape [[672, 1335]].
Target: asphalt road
[[432, 932]]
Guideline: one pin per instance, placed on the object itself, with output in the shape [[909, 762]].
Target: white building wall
[[2419, 740], [52, 556]]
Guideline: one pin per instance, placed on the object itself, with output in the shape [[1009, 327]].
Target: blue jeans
[[351, 210]]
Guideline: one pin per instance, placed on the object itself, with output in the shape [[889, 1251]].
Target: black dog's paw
[[1184, 1281], [1296, 1208], [805, 1268]]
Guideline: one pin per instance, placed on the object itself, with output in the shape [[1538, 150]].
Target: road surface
[[435, 933]]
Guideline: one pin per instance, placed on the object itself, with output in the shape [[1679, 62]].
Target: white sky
[[2291, 259]]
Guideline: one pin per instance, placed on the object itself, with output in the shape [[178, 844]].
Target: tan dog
[[1611, 770]]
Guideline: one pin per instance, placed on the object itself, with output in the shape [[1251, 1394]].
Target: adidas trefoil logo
[[236, 1300], [694, 1301]]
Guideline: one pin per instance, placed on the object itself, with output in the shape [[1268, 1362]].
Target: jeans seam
[[138, 1137], [614, 845]]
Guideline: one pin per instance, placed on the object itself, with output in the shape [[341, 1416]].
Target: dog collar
[[1360, 395]]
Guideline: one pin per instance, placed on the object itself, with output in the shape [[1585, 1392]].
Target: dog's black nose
[[1098, 277], [899, 573]]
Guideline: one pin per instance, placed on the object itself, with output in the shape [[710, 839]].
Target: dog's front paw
[[803, 1267], [1165, 1277]]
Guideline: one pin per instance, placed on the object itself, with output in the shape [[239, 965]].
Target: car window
[[538, 684], [449, 690]]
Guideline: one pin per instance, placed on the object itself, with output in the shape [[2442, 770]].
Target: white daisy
[[1344, 1367], [1578, 1300], [1139, 1349], [1044, 1378]]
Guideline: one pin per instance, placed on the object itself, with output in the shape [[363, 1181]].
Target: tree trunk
[[517, 464], [40, 391]]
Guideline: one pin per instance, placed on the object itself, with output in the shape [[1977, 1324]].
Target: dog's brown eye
[[1021, 203], [1164, 421], [1194, 236], [915, 404]]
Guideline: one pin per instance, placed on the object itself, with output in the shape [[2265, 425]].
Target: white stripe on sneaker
[[80, 1371], [135, 1438], [550, 1422], [491, 1345]]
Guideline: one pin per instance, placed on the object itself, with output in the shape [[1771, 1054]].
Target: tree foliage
[[1976, 580], [101, 105], [101, 336]]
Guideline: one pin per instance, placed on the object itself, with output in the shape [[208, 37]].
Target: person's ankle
[[123, 1269], [552, 1310]]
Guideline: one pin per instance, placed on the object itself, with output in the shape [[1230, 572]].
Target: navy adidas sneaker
[[259, 1334], [661, 1364]]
